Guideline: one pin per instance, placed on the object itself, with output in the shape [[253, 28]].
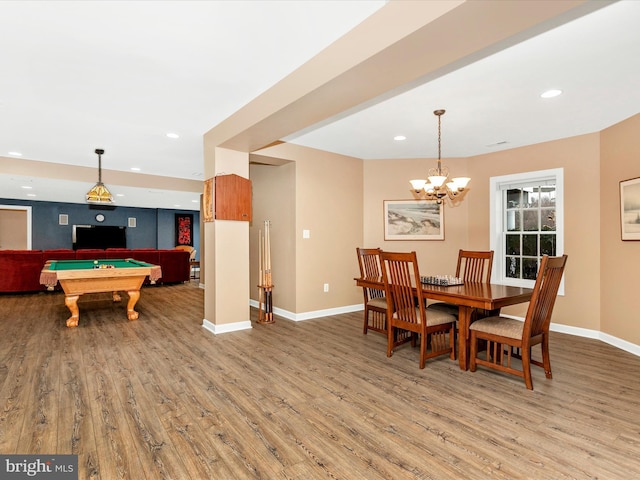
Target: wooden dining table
[[468, 296]]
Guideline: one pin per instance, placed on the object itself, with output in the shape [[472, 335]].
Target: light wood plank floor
[[162, 398]]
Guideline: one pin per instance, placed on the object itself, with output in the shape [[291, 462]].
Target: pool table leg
[[71, 301], [134, 295]]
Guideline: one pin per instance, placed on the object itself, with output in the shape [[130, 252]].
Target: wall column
[[226, 254]]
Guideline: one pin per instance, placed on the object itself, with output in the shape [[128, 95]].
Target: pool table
[[78, 277]]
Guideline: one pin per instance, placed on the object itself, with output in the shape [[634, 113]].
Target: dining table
[[468, 296]]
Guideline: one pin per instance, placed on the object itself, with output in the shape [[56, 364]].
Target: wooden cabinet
[[231, 198]]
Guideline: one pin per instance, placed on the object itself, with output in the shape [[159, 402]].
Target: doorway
[[15, 227]]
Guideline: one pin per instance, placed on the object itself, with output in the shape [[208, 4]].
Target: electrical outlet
[[326, 287]]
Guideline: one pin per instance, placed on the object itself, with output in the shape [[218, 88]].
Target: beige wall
[[328, 203], [580, 158], [619, 261], [274, 192], [389, 180], [467, 224]]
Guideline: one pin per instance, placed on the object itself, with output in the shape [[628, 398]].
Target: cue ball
[[95, 262]]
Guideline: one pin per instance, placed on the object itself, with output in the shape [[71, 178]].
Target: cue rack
[[265, 311]]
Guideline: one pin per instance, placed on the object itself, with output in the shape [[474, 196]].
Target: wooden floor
[[162, 398]]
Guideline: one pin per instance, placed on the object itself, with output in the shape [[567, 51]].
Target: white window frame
[[496, 241]]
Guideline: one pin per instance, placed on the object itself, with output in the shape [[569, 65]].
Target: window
[[526, 223]]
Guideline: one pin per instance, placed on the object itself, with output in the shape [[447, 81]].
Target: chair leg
[[546, 359], [474, 351], [452, 342], [526, 367], [423, 350], [366, 320], [390, 338]]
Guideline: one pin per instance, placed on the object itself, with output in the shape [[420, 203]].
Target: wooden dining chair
[[375, 303], [473, 266], [406, 309], [507, 338]]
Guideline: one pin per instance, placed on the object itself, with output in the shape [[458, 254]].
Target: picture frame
[[413, 220], [184, 229], [630, 209]]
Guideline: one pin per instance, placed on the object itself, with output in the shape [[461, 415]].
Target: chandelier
[[436, 187], [99, 194]]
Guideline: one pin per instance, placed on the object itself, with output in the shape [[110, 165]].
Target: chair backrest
[[544, 296], [474, 266], [399, 274], [369, 263]]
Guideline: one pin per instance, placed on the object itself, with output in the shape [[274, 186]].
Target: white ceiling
[[120, 75]]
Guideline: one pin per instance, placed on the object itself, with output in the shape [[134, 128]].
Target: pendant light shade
[[99, 193]]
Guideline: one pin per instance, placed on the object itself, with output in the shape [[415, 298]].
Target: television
[[99, 236]]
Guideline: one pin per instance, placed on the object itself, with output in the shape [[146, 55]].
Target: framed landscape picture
[[413, 220], [630, 209]]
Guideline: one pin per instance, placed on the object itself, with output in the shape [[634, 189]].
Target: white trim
[[588, 333], [298, 317], [225, 328], [27, 209], [496, 208]]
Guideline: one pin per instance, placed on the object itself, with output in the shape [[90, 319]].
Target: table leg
[[71, 301], [464, 321], [134, 295]]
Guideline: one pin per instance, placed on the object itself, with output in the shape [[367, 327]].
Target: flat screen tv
[[99, 236]]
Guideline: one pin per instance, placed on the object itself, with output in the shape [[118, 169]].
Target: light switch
[[306, 234]]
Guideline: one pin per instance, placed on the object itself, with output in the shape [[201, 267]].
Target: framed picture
[[184, 229], [630, 209], [413, 220]]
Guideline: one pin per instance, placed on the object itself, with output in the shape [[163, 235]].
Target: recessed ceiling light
[[551, 93], [15, 154], [135, 169], [399, 138], [31, 194], [176, 205], [119, 194], [173, 135], [195, 201], [26, 187]]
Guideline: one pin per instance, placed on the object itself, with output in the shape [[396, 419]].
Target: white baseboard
[[554, 327], [298, 317], [588, 333], [225, 328]]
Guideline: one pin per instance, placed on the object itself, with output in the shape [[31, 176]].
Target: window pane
[[532, 197], [513, 198], [548, 196], [513, 221], [512, 267], [513, 245], [529, 268], [548, 245], [548, 219], [530, 221], [530, 245]]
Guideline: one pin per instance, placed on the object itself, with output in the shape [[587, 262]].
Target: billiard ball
[[95, 262]]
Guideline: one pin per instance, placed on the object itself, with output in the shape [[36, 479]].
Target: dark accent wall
[[155, 227]]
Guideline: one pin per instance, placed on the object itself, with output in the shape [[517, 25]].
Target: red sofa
[[20, 269]]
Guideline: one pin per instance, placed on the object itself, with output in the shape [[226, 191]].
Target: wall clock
[[99, 217]]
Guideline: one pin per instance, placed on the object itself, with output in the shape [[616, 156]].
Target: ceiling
[[121, 75]]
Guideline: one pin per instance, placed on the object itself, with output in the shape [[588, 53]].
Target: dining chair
[[406, 309], [518, 337], [473, 266], [375, 303]]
